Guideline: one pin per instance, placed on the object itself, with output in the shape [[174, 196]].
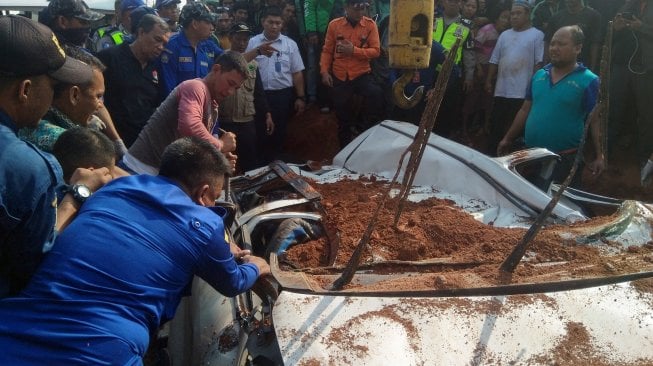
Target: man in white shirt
[[518, 54], [281, 69]]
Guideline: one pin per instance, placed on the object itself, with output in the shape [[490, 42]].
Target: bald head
[[565, 46]]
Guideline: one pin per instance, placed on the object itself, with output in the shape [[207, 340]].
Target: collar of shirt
[[7, 121], [579, 67], [58, 118]]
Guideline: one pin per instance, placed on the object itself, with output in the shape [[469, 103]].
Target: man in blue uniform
[[31, 63], [190, 53], [120, 269]]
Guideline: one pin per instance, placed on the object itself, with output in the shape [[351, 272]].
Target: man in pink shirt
[[189, 110]]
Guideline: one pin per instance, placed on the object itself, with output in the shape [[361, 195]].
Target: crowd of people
[[174, 100]]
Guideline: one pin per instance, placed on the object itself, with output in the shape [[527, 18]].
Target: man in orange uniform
[[350, 43]]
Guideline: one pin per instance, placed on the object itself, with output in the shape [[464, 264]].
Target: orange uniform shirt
[[365, 38]]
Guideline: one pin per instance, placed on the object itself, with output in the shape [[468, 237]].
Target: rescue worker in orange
[[350, 43]]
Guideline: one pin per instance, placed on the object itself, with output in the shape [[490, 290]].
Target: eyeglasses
[[360, 6]]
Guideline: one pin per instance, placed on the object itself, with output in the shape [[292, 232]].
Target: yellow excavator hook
[[398, 87]]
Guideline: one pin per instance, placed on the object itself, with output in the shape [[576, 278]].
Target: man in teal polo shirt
[[558, 101]]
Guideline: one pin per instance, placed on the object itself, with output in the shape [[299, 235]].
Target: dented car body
[[413, 313]]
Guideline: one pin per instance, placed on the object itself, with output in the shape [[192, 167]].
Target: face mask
[[74, 36]]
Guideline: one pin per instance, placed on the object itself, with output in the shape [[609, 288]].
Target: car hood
[[610, 324]]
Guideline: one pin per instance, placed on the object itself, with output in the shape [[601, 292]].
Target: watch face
[[83, 191]]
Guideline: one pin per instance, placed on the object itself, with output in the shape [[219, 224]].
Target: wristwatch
[[80, 192]]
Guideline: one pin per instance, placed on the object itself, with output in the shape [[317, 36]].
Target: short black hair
[[231, 60], [239, 5], [146, 22], [81, 147], [271, 11], [193, 162]]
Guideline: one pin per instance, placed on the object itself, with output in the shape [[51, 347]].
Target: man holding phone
[[350, 43], [631, 77]]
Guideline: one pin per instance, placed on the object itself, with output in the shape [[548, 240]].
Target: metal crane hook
[[400, 98]]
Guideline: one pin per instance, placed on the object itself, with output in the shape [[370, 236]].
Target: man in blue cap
[[169, 10], [190, 53], [113, 35], [31, 209]]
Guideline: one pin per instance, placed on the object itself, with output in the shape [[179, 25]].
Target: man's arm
[[219, 269], [191, 112], [373, 49], [68, 207], [109, 129], [598, 164], [516, 129], [489, 81], [326, 57], [298, 84], [168, 66]]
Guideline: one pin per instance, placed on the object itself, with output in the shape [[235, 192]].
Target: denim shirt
[[29, 182]]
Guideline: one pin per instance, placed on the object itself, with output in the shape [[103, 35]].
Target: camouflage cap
[[73, 8], [195, 11]]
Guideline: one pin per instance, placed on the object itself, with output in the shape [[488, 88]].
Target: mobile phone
[[339, 38], [627, 15]]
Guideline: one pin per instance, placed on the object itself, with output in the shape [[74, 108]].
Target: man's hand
[[266, 49], [239, 253], [300, 106], [645, 177], [327, 79], [468, 86], [269, 124], [634, 24], [263, 266], [92, 178], [345, 47], [489, 88], [231, 157], [228, 142], [503, 147], [597, 166]]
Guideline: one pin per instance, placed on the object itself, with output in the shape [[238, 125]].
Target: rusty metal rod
[[416, 149]]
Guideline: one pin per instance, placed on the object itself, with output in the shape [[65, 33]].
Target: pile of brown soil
[[437, 231]]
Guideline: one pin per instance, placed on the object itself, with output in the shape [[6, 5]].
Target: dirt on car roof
[[455, 250]]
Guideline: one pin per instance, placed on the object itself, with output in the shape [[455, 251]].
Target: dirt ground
[[313, 136]]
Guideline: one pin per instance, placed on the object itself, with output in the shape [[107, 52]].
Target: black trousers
[[342, 94], [503, 114], [246, 144], [281, 104]]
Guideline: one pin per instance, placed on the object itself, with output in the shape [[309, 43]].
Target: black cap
[[31, 49], [161, 3], [138, 14], [195, 11], [73, 8], [239, 27]]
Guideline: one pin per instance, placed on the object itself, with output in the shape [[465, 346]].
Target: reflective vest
[[115, 33], [447, 37]]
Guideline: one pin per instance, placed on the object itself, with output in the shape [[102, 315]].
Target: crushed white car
[[295, 318]]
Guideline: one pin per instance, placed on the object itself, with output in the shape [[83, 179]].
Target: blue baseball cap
[[130, 5]]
